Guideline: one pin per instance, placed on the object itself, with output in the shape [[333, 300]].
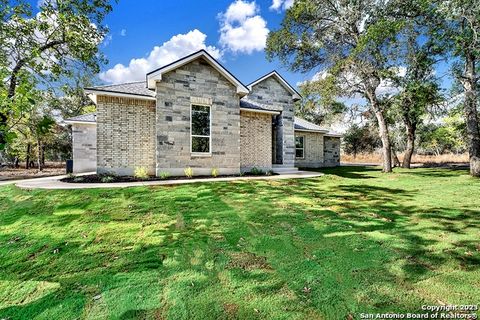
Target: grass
[[353, 241]]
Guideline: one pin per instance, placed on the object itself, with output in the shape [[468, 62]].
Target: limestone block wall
[[197, 83], [125, 135], [255, 140], [84, 142], [272, 93], [313, 150], [331, 151]]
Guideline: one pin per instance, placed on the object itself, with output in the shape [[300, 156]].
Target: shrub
[[78, 179], [71, 176], [214, 172], [256, 172], [269, 173], [107, 179], [164, 175], [188, 172], [141, 173]]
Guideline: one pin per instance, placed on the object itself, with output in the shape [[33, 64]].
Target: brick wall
[[313, 150], [84, 138], [191, 83], [125, 135], [272, 93], [255, 140]]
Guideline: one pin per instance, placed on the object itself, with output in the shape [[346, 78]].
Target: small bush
[[78, 179], [256, 172], [214, 172], [164, 175], [188, 172], [71, 176], [107, 179], [269, 173], [141, 173]]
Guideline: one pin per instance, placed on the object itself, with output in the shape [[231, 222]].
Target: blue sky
[[137, 27]]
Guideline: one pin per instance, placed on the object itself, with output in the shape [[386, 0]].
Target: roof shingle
[[89, 117], [135, 88]]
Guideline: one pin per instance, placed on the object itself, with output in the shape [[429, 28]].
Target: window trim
[[303, 149], [201, 154]]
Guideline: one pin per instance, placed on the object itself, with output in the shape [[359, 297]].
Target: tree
[[462, 35], [419, 91], [63, 36], [360, 138], [349, 42]]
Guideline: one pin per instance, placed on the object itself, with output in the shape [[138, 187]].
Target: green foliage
[[141, 173], [78, 179], [50, 44], [358, 139], [107, 178], [447, 137], [214, 172], [188, 172], [164, 175], [350, 242], [256, 172]]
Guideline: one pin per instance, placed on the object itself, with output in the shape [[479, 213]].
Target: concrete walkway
[[55, 183]]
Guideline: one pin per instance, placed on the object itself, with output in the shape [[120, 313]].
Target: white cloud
[[106, 41], [123, 32], [41, 3], [387, 87], [175, 48], [279, 5], [242, 30]]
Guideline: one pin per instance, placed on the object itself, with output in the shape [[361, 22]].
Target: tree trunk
[[43, 155], [471, 115], [410, 128], [383, 130], [3, 126], [39, 155], [395, 160], [27, 158]]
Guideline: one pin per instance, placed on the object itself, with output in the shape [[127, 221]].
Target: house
[[195, 113]]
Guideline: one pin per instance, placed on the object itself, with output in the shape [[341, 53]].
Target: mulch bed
[[98, 178]]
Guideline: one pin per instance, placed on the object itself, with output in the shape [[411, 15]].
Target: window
[[299, 147], [200, 129]]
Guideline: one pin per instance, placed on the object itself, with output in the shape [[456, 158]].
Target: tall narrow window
[[200, 129], [299, 147]]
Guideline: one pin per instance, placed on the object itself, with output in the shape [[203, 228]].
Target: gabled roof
[[156, 75], [84, 118], [252, 106], [304, 125], [283, 82], [130, 89]]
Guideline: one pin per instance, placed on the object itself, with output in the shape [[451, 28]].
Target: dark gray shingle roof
[[89, 117], [136, 88], [248, 104], [301, 124]]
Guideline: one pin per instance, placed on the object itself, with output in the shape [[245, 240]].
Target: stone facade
[[197, 82], [255, 141], [271, 93], [148, 124], [125, 135], [84, 141], [313, 150], [331, 151]]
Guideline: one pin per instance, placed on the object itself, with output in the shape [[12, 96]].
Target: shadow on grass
[[350, 172], [327, 247]]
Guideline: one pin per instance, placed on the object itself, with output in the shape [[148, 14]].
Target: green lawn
[[352, 241]]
